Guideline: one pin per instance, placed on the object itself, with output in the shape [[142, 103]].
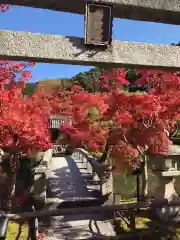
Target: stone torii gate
[[72, 50]]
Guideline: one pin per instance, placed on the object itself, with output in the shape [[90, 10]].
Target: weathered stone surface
[[166, 11], [166, 171], [68, 183], [166, 190], [40, 175], [40, 187], [41, 169], [47, 157], [71, 50]]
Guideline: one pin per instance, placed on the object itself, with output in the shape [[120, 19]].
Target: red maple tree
[[83, 108], [86, 130], [114, 78], [23, 126], [127, 121], [143, 119], [18, 115]]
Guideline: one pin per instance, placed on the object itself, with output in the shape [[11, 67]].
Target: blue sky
[[52, 22]]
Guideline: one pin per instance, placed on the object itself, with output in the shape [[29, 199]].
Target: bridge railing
[[40, 183], [101, 173]]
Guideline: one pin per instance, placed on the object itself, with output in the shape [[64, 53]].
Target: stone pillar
[[108, 189], [165, 169], [40, 184], [39, 191], [107, 186]]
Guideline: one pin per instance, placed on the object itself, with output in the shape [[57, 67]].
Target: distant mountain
[[47, 84], [89, 80], [58, 83]]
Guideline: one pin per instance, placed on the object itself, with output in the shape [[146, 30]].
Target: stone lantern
[[165, 169]]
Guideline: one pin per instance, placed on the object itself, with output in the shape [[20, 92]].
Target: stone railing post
[[39, 191], [107, 186]]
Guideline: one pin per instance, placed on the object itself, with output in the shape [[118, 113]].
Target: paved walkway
[[66, 181], [66, 185]]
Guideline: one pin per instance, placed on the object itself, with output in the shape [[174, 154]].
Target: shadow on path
[[66, 182]]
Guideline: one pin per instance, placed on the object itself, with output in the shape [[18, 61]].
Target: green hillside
[[88, 80], [29, 89]]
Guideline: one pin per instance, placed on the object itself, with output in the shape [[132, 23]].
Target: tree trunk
[[9, 197], [106, 149], [105, 154], [10, 183]]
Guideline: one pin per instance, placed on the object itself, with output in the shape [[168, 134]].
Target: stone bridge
[[72, 181]]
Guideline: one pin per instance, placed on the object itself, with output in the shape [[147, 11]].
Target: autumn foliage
[[127, 121], [124, 120], [18, 115]]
